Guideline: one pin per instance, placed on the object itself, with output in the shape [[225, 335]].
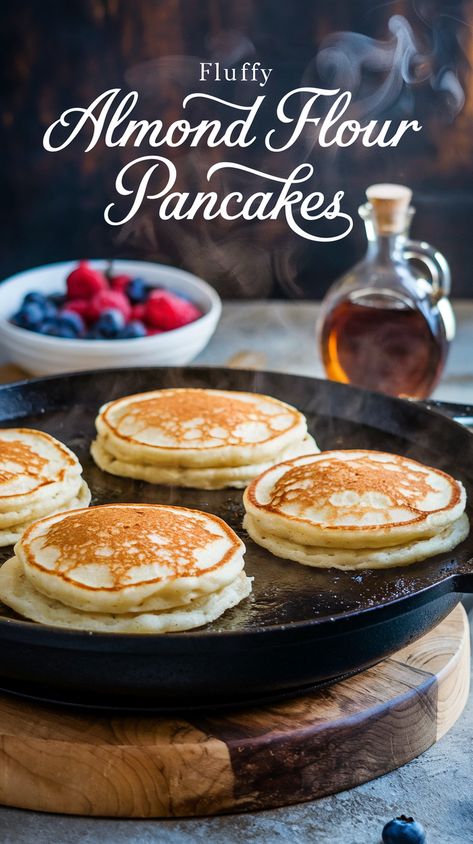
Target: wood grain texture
[[125, 766]]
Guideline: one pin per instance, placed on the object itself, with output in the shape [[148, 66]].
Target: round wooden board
[[55, 760]]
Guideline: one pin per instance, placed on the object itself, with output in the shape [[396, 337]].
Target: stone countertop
[[281, 336], [437, 788]]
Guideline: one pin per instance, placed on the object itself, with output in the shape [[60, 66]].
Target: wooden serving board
[[56, 760]]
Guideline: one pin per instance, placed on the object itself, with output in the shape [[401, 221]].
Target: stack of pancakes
[[206, 439], [355, 510], [38, 476], [126, 568]]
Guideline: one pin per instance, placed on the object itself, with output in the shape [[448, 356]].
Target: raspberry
[[120, 283], [83, 282], [138, 312], [77, 306], [107, 300], [166, 311], [150, 332]]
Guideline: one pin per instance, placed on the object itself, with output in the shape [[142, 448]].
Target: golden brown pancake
[[130, 557], [39, 476], [197, 427], [353, 499], [33, 465], [206, 439]]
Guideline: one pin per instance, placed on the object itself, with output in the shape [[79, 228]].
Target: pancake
[[362, 558], [129, 558], [39, 476], [353, 499], [11, 534], [44, 507], [217, 477], [34, 466], [195, 428], [21, 596]]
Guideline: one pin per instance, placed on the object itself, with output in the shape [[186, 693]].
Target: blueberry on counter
[[137, 291], [109, 324], [132, 330], [403, 830]]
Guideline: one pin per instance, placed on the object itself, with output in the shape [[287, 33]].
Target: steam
[[158, 78], [230, 47], [353, 61], [382, 74]]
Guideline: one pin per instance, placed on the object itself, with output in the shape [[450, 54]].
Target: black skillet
[[301, 626]]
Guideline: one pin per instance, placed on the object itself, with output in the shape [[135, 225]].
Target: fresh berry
[[72, 319], [120, 283], [150, 332], [403, 830], [58, 327], [30, 316], [138, 312], [38, 300], [77, 306], [137, 291], [132, 330], [106, 300], [84, 282], [110, 324], [35, 297], [49, 310], [165, 310]]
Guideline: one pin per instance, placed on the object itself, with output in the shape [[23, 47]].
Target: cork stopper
[[390, 204]]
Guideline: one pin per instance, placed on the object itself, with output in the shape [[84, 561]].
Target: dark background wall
[[54, 55]]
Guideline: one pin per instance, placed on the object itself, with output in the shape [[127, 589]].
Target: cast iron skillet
[[301, 626]]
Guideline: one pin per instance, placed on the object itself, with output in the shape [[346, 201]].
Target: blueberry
[[35, 297], [57, 327], [137, 291], [38, 300], [133, 329], [75, 321], [49, 310], [403, 830], [110, 323], [29, 316]]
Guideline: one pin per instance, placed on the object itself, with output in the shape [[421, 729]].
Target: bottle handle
[[435, 262]]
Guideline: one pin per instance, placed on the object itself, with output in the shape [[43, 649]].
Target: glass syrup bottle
[[385, 325]]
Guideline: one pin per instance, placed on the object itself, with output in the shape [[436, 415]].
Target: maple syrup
[[384, 325], [389, 349]]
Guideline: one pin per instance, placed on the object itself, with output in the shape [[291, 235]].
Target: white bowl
[[40, 354]]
